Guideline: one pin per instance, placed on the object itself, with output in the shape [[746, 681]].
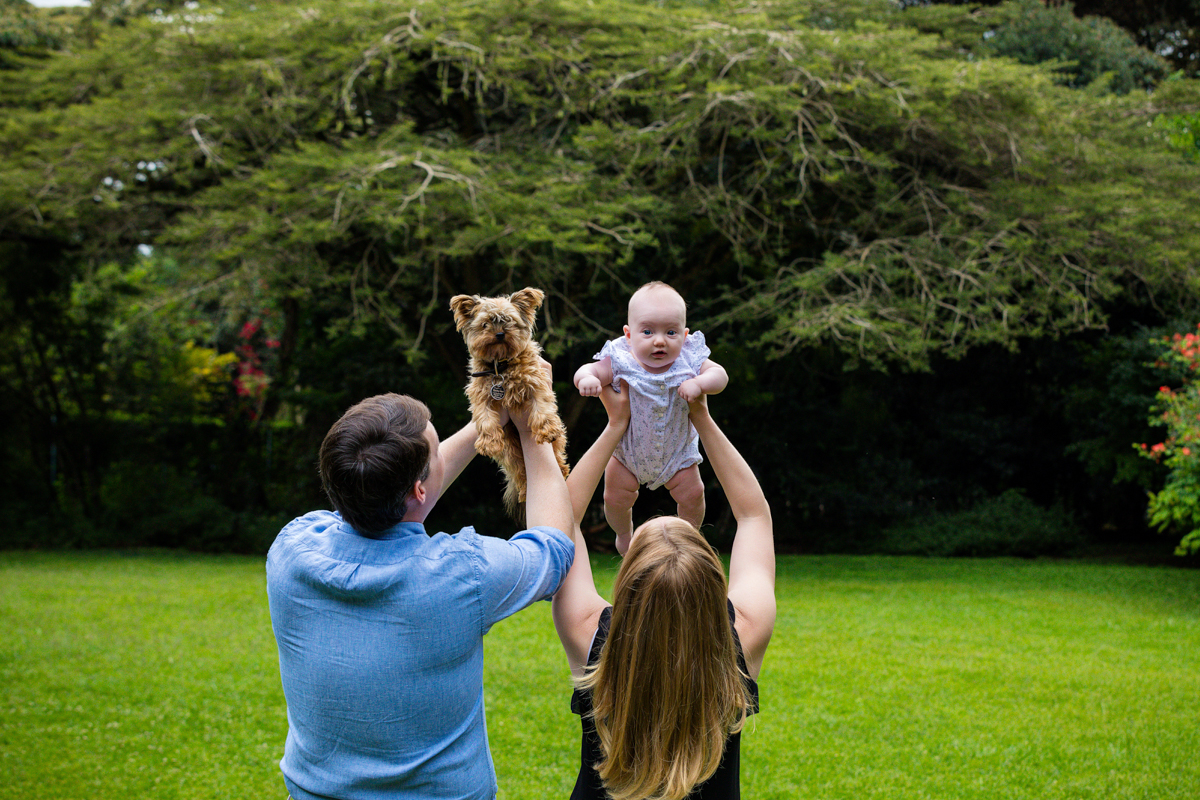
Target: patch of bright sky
[[57, 3]]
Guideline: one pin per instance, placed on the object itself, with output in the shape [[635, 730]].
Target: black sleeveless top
[[724, 783]]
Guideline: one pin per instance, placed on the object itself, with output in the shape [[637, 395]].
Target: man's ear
[[528, 301], [418, 492], [463, 306]]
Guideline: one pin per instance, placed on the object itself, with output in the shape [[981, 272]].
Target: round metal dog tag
[[497, 391]]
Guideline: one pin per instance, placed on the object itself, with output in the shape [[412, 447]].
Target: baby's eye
[[646, 332], [671, 332]]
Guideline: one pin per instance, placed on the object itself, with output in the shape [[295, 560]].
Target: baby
[[665, 368]]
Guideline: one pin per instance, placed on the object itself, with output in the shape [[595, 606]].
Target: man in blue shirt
[[380, 626]]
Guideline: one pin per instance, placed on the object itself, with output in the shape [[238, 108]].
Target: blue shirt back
[[381, 652]]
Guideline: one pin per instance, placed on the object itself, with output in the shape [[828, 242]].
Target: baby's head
[[657, 326]]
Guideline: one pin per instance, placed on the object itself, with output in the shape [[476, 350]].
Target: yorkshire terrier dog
[[506, 371]]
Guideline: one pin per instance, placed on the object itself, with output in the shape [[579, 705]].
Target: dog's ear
[[528, 301], [463, 306]]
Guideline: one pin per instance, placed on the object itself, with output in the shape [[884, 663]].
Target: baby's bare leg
[[688, 492], [620, 493]]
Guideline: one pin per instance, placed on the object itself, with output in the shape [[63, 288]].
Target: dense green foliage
[[1006, 525], [1089, 49], [1183, 132], [155, 675], [1176, 507], [848, 197], [1170, 28], [23, 30], [1167, 28]]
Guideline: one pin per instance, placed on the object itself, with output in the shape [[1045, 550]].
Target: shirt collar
[[398, 531]]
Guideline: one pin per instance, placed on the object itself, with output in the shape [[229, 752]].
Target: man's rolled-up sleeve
[[522, 570]]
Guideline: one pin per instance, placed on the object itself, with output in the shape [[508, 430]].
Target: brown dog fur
[[499, 336]]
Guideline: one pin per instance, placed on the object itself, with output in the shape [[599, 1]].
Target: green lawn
[[153, 675]]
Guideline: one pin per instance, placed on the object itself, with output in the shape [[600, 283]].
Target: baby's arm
[[711, 379], [590, 378]]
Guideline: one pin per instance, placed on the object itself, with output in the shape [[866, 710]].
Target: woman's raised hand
[[616, 403]]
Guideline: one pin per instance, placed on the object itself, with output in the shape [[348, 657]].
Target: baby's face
[[656, 329]]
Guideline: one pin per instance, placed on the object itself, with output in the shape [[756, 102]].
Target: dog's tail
[[513, 503]]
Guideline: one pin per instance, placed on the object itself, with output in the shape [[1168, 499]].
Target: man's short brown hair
[[372, 457]]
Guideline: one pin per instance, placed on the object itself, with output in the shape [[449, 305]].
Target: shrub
[[1088, 49], [1008, 525], [1176, 507], [1182, 132], [160, 506]]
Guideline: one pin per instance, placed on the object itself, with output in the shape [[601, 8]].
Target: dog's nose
[[500, 336]]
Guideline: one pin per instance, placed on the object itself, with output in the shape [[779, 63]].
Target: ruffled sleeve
[[695, 351], [617, 351]]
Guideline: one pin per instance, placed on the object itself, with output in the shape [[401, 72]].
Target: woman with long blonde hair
[[666, 675]]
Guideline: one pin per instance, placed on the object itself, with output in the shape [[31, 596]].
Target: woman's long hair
[[667, 691]]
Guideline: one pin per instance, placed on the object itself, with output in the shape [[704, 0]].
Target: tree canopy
[[1169, 29], [813, 176]]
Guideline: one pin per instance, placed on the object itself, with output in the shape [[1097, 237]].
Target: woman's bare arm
[[577, 605], [752, 561]]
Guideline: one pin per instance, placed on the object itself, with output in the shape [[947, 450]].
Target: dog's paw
[[490, 443], [546, 430]]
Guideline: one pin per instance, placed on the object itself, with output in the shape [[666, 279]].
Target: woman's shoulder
[[601, 635], [581, 700], [751, 683]]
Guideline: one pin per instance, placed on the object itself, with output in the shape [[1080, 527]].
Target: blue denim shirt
[[381, 652]]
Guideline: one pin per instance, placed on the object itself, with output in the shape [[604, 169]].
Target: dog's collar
[[497, 368]]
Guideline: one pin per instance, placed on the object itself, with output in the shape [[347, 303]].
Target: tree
[[817, 178], [1168, 28], [25, 33]]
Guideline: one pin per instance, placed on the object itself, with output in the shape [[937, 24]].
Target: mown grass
[[154, 675]]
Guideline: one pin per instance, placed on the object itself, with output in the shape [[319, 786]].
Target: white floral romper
[[660, 439]]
